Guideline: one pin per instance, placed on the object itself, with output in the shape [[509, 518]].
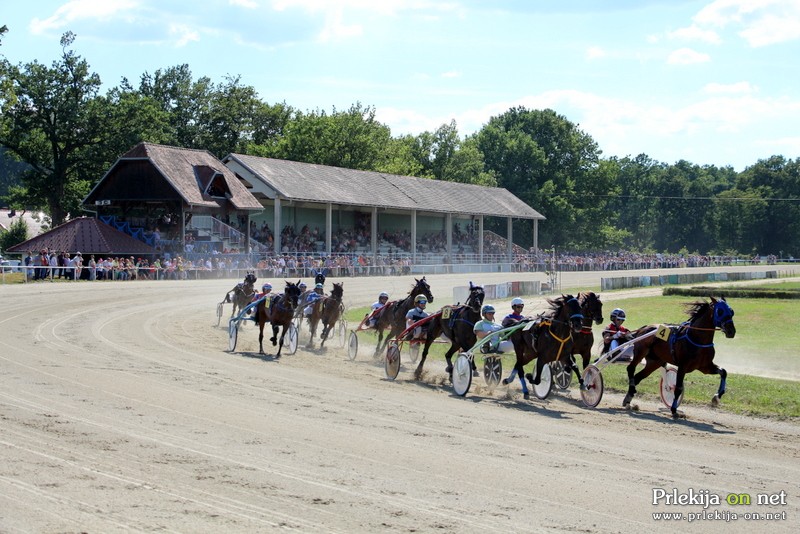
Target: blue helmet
[[487, 309], [266, 287]]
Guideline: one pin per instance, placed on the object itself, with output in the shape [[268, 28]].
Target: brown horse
[[241, 295], [328, 310], [689, 346], [393, 315], [455, 323], [582, 342], [548, 340], [279, 313]]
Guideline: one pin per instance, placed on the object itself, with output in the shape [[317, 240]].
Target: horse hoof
[[678, 415], [526, 396], [449, 370], [505, 381], [715, 400]]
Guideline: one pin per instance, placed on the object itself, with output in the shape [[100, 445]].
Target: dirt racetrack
[[120, 410]]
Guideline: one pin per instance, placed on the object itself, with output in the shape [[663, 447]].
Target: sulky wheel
[[233, 334], [462, 374], [341, 333], [352, 346], [413, 351], [545, 386], [593, 386], [561, 375], [219, 313], [392, 364], [291, 339], [492, 371], [669, 378]]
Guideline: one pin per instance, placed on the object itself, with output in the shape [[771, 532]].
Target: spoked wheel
[[392, 361], [233, 334], [669, 378], [219, 313], [545, 386], [413, 351], [352, 346], [593, 386], [462, 374], [561, 375], [492, 371], [341, 333], [291, 339]]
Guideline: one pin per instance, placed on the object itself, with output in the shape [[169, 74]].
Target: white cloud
[[687, 56], [732, 88], [248, 4], [760, 22], [595, 52], [182, 34], [77, 10], [695, 33], [451, 74]]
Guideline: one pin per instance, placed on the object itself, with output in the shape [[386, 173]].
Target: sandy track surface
[[121, 411]]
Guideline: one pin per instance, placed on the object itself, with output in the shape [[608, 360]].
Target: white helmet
[[517, 302], [383, 294], [618, 314]]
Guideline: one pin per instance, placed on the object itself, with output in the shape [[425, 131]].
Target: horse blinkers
[[723, 318]]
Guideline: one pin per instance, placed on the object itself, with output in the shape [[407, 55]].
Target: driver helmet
[[487, 309], [517, 302], [320, 287], [302, 285], [618, 314], [266, 287], [420, 299], [383, 295]]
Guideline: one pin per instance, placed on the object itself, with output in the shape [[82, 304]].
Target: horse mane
[[696, 309]]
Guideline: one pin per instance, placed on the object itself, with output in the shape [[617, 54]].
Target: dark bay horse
[[689, 346], [455, 323], [548, 340], [592, 310], [328, 310], [393, 315], [279, 312], [242, 294]]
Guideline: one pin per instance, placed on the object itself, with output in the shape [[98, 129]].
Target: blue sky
[[712, 81]]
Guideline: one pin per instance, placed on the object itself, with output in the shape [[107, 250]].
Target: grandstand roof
[[150, 171], [86, 235], [319, 183]]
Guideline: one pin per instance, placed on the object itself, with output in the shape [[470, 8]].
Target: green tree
[[16, 234], [549, 163], [46, 121], [443, 156], [352, 139]]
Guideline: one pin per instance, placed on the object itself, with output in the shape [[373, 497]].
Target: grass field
[[765, 328]]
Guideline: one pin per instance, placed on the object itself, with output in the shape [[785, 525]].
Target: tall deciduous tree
[[46, 121], [553, 166]]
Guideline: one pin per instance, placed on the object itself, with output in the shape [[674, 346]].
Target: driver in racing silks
[[417, 313], [615, 334], [383, 298]]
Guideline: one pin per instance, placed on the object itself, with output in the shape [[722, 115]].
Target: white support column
[[536, 235], [374, 230], [276, 229], [449, 222], [480, 238], [510, 238], [328, 225], [247, 234], [183, 230], [414, 236]]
